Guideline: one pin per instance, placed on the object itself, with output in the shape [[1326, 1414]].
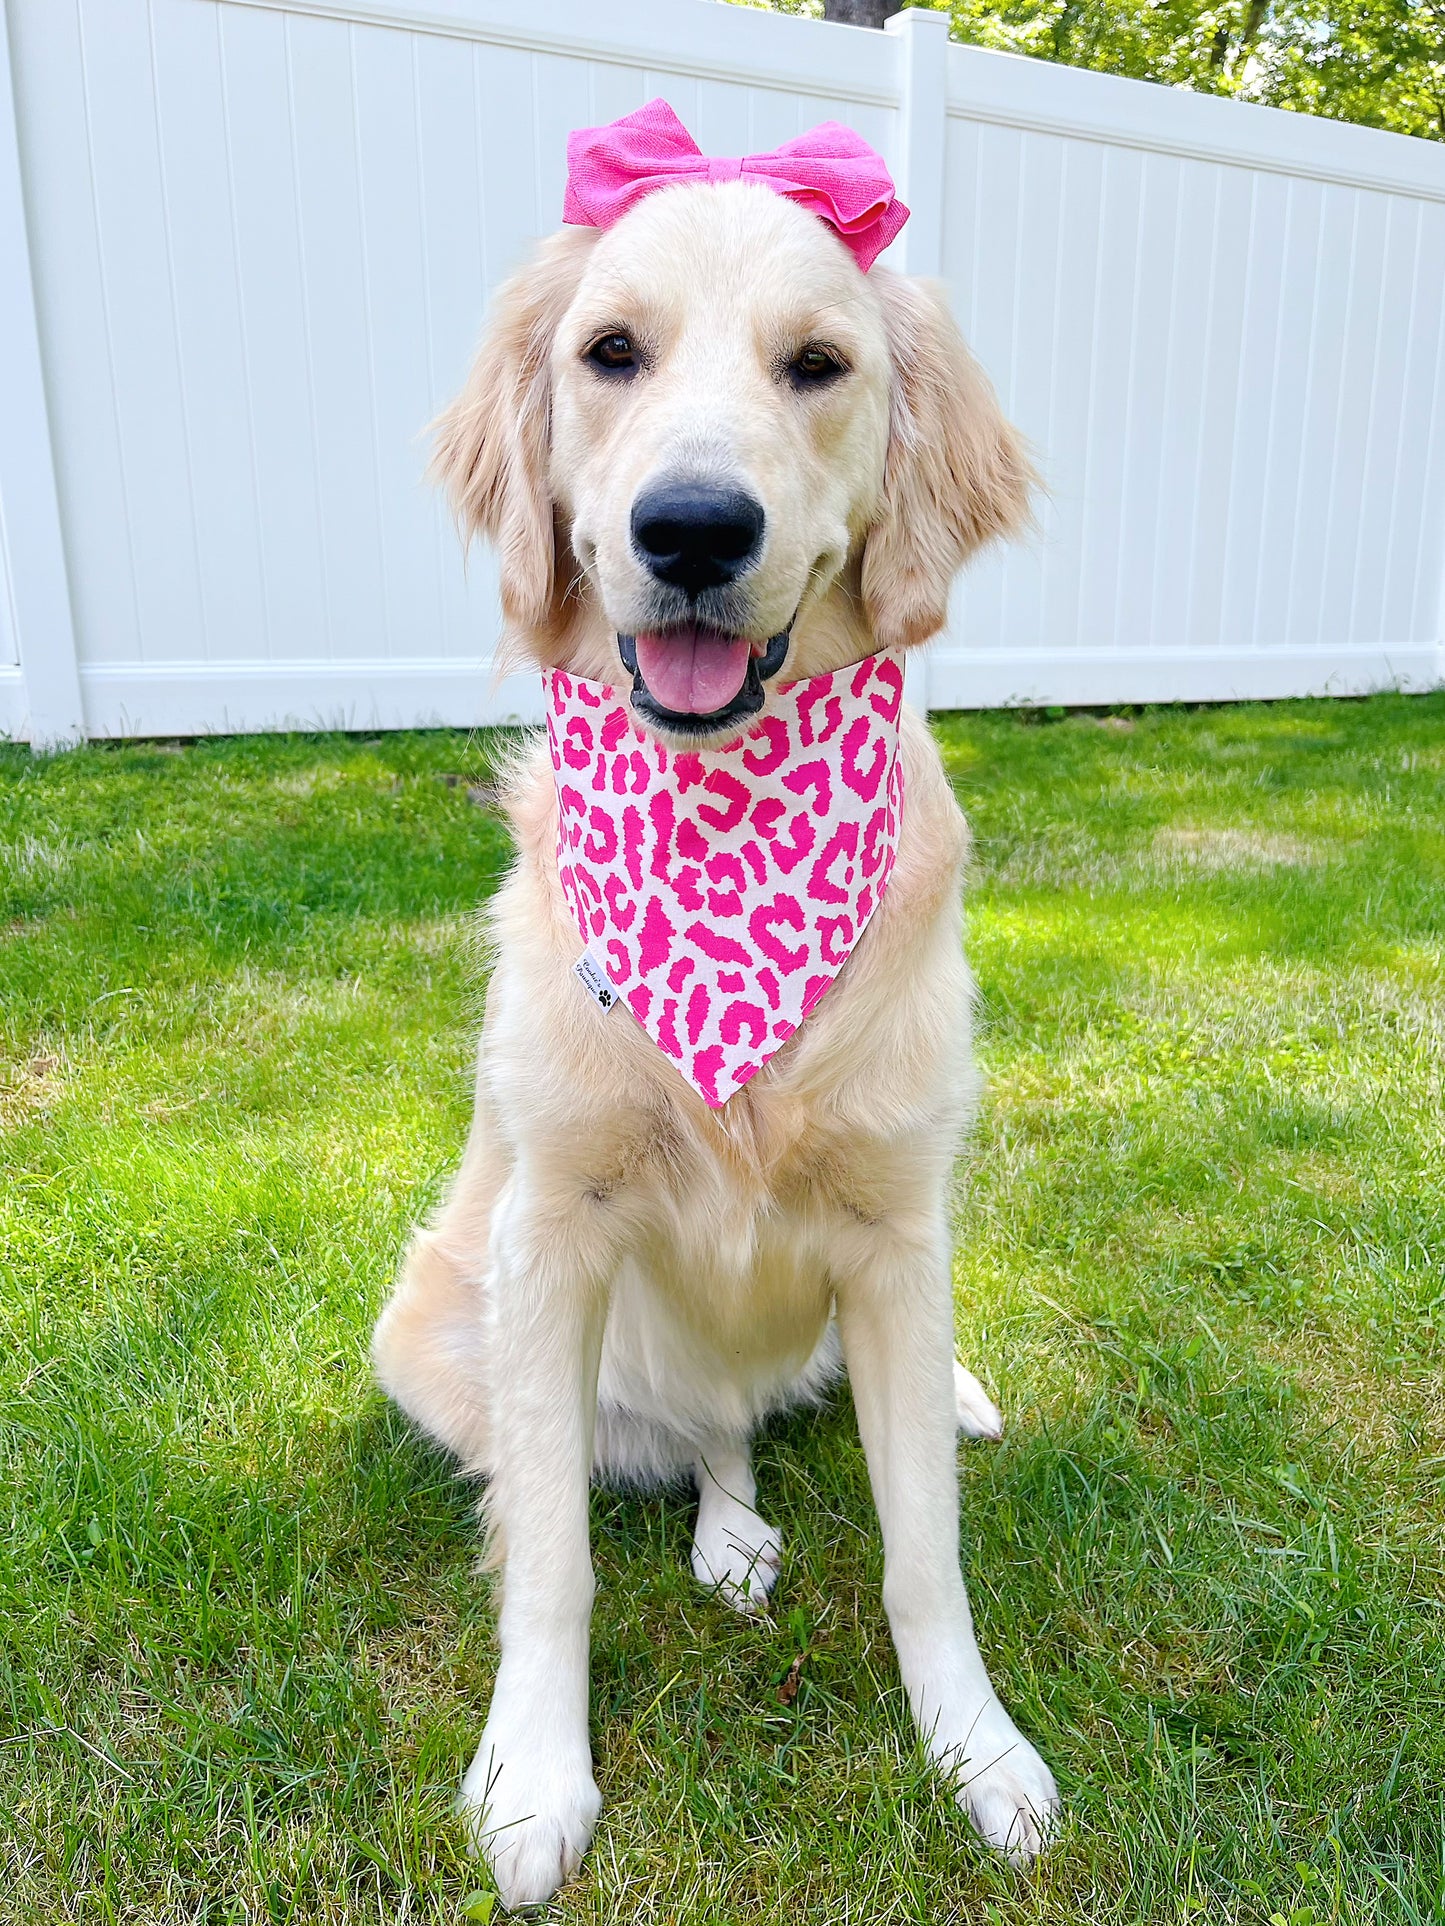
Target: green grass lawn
[[244, 1655]]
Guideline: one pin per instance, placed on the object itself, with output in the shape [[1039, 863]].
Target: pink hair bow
[[830, 170]]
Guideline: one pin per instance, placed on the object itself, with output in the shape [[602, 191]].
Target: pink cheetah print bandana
[[720, 891]]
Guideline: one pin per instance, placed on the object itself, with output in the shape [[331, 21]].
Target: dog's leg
[[733, 1551], [427, 1349], [529, 1794], [895, 1316]]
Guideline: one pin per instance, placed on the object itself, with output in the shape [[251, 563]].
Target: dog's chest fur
[[842, 1127]]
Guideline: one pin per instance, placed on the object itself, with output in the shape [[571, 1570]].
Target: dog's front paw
[[737, 1554], [1005, 1787], [530, 1815], [977, 1414]]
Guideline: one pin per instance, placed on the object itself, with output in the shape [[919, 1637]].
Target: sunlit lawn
[[245, 1655]]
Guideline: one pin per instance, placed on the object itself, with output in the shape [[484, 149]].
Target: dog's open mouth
[[695, 680]]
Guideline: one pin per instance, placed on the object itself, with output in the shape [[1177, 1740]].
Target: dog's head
[[707, 446]]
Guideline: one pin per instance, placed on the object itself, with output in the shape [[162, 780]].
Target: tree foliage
[[1379, 62]]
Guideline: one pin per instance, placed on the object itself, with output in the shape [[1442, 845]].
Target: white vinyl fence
[[245, 246]]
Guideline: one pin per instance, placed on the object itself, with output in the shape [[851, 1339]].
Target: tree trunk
[[860, 13], [1254, 18]]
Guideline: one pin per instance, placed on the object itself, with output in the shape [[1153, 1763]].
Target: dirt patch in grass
[[1235, 848]]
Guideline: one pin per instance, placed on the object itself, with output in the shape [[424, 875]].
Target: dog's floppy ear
[[490, 448], [956, 475]]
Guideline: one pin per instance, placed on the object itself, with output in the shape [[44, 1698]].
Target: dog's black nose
[[695, 537]]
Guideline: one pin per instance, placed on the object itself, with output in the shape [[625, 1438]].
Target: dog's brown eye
[[813, 365], [614, 354]]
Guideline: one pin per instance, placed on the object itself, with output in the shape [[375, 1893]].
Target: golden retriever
[[623, 1279]]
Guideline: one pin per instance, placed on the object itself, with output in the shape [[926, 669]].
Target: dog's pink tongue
[[693, 671]]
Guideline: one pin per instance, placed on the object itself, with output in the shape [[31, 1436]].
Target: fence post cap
[[912, 19]]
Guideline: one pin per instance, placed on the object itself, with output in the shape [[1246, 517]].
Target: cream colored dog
[[622, 1280]]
